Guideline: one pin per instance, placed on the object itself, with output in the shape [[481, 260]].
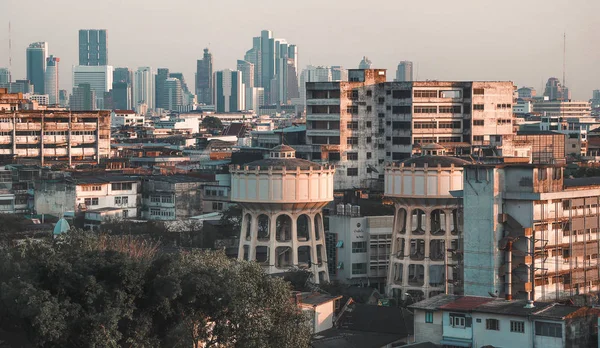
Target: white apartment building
[[127, 118], [41, 99], [358, 247], [100, 79], [562, 108]]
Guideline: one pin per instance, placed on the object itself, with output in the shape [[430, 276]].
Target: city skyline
[[485, 48]]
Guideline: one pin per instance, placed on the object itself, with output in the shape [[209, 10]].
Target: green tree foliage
[[211, 122], [231, 221], [86, 290]]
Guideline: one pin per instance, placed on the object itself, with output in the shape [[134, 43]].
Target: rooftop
[[176, 178], [340, 338], [104, 179], [434, 161], [316, 298]]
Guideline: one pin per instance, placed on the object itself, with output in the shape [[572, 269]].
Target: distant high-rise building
[[365, 63], [83, 98], [273, 59], [121, 96], [19, 86], [229, 91], [173, 94], [51, 80], [98, 77], [93, 49], [320, 74], [37, 53], [556, 91], [63, 96], [247, 70], [253, 56], [526, 92], [255, 98], [4, 76], [338, 73], [159, 84], [143, 89], [179, 76], [595, 101], [405, 71], [204, 75]]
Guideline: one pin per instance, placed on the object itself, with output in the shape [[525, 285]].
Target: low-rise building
[[172, 197], [359, 247], [320, 308], [126, 118], [469, 321]]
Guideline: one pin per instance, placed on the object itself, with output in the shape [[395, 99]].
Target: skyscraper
[[98, 77], [173, 94], [51, 80], [229, 93], [556, 91], [37, 53], [405, 71], [93, 49], [83, 98], [365, 63], [247, 70], [273, 59], [4, 76], [159, 84], [204, 75], [123, 78], [143, 89]]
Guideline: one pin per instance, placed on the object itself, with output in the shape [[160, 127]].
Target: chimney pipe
[[509, 270]]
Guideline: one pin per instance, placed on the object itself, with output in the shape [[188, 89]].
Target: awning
[[455, 342]]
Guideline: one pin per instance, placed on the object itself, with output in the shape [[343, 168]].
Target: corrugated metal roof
[[466, 303]]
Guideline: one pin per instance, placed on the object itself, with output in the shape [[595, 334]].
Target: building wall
[[324, 316], [106, 197], [503, 337], [54, 197], [428, 332], [66, 136]]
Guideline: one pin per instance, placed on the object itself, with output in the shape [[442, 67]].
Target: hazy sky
[[517, 40]]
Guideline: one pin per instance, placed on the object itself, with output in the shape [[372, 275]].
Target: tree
[[89, 290], [211, 122], [231, 221]]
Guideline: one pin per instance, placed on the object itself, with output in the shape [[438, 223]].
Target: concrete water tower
[[282, 223]]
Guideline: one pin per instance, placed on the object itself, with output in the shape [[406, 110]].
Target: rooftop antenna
[[9, 54]]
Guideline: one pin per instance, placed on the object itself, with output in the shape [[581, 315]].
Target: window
[[398, 110], [400, 125], [517, 326], [359, 268], [400, 141], [125, 214], [155, 199], [167, 199], [122, 186], [453, 109], [478, 138], [369, 93], [401, 94], [352, 156], [457, 320], [478, 122], [492, 324], [381, 115], [352, 140], [368, 124], [478, 107], [369, 140], [450, 94], [548, 329], [359, 247], [352, 172], [217, 206], [369, 108], [121, 200], [425, 109], [425, 94], [352, 125], [478, 91], [352, 109], [92, 188], [91, 201], [429, 317], [368, 155]]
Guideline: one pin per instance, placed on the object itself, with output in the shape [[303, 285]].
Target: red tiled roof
[[467, 303]]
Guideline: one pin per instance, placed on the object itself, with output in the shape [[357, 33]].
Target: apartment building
[[469, 321], [529, 232], [358, 247], [126, 118], [172, 197], [364, 122], [46, 137]]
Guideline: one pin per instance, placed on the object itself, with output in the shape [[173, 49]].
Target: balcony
[[323, 101], [28, 126], [27, 139], [56, 126], [323, 132]]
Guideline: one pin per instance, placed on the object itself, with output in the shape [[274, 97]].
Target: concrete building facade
[[55, 136], [143, 89], [98, 77], [364, 122]]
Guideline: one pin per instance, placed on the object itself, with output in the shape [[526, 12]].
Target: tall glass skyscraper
[[93, 47], [4, 76], [143, 89], [37, 53], [405, 71], [51, 80], [204, 75]]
